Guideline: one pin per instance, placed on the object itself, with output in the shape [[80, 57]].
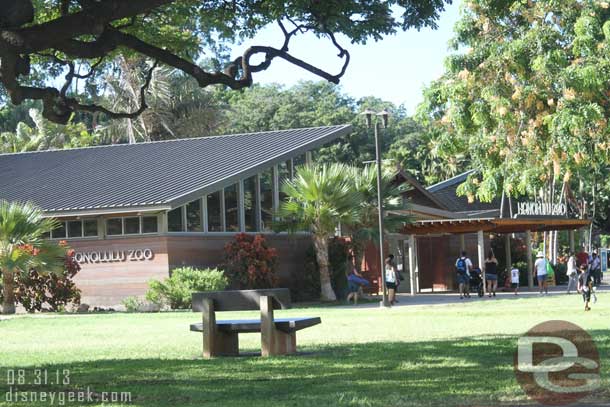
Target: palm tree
[[319, 198], [23, 247], [365, 228]]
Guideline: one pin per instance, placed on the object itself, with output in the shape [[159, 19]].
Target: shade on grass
[[459, 354]]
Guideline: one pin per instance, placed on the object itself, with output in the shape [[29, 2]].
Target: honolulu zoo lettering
[[114, 256], [541, 209]]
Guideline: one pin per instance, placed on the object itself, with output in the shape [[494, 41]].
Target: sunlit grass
[[454, 354]]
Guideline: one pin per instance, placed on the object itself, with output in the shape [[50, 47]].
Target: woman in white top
[[390, 278]]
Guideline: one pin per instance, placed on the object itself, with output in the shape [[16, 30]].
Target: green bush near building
[[176, 290]]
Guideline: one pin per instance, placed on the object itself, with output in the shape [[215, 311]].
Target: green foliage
[[23, 246], [177, 289], [132, 304], [318, 199], [44, 135], [525, 99]]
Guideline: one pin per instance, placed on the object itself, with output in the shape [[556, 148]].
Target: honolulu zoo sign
[[541, 209], [114, 256]]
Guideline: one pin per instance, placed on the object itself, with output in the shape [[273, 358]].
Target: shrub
[[132, 304], [250, 263], [177, 289], [40, 290]]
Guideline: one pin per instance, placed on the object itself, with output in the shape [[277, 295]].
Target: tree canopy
[[41, 40], [525, 98]]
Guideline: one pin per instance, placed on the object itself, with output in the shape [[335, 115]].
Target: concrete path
[[405, 300]]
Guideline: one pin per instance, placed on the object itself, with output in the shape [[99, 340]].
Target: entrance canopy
[[494, 225]]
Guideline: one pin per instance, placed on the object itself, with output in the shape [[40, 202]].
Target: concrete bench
[[220, 337]]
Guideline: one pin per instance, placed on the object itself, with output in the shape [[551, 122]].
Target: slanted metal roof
[[155, 175]]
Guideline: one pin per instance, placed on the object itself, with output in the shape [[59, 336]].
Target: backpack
[[460, 265]]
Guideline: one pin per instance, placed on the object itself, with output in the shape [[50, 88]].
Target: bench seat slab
[[287, 325]]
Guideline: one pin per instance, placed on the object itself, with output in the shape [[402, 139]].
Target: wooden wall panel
[[107, 283]]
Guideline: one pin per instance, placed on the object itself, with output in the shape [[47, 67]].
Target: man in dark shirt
[[585, 286]]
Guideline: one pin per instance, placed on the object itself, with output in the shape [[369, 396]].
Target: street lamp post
[[384, 118]]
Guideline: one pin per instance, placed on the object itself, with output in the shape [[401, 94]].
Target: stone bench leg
[[274, 341], [215, 342]]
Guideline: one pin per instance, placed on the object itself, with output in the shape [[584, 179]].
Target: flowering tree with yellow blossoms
[[526, 97]]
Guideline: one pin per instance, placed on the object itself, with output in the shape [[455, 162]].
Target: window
[[114, 226], [59, 232], [214, 212], [90, 227], [231, 212], [75, 228], [266, 192], [250, 209], [131, 225], [174, 220], [193, 216], [149, 224], [284, 174]]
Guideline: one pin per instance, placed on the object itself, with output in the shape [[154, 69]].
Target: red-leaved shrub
[[250, 263], [49, 291]]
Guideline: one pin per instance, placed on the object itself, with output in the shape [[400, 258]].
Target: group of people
[[356, 281], [465, 271], [585, 272]]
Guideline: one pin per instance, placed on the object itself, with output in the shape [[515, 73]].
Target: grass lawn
[[458, 354]]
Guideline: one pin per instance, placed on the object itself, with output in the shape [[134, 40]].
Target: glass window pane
[[132, 226], [231, 215], [174, 220], [149, 224], [59, 232], [266, 199], [214, 221], [193, 216], [75, 228], [283, 175], [114, 226], [90, 227], [250, 204]]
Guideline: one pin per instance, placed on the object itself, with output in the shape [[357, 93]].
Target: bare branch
[[75, 105]]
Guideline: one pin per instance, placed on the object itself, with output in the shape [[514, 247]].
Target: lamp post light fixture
[[384, 115]]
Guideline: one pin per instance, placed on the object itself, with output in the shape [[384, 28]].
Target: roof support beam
[[530, 265], [481, 253]]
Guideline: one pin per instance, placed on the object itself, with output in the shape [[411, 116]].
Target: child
[[585, 285], [514, 279]]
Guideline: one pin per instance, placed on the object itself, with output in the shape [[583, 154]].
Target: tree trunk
[[8, 291], [326, 290]]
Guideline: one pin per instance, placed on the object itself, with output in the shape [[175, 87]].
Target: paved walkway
[[405, 300]]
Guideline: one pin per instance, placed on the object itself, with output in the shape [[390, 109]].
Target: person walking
[[596, 268], [514, 279], [585, 285], [491, 273], [463, 266], [391, 277], [541, 273], [572, 272]]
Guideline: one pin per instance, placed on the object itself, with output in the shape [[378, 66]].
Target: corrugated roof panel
[[146, 174]]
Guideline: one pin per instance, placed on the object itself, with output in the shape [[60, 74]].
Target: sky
[[396, 68]]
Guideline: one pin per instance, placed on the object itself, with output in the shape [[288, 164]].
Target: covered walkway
[[481, 226]]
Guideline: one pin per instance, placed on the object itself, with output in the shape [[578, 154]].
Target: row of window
[[75, 228], [132, 225], [222, 208], [219, 211]]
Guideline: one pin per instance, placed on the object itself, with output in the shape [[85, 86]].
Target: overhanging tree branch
[[92, 30]]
